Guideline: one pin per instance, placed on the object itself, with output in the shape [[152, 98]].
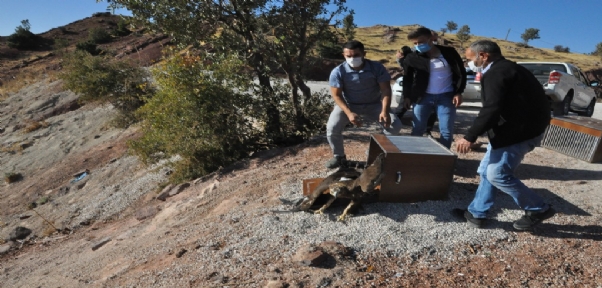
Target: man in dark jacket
[[515, 115], [434, 80]]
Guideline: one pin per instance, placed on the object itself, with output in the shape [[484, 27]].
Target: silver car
[[472, 92]]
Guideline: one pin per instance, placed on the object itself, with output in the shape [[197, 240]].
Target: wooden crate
[[575, 136], [416, 168]]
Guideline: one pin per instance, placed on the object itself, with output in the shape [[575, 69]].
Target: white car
[[472, 92]]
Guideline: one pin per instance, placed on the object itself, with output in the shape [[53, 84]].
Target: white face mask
[[474, 68], [354, 62]]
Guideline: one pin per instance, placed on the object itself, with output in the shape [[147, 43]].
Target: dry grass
[[23, 79], [17, 147], [380, 50], [35, 125]]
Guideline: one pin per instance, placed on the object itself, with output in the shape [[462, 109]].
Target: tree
[[113, 5], [463, 34], [451, 26], [349, 26], [269, 35], [598, 50], [23, 38], [530, 34], [443, 31]]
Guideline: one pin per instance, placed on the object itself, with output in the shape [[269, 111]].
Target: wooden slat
[[385, 143], [573, 125]]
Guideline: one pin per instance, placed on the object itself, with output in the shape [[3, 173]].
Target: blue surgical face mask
[[422, 47]]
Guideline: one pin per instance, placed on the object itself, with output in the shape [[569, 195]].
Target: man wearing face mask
[[359, 87], [434, 80], [514, 115]]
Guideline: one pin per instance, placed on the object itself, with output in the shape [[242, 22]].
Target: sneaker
[[532, 218], [464, 214], [336, 161]]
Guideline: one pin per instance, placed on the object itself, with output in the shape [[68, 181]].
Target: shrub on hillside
[[122, 28], [103, 79], [99, 35], [23, 39], [560, 48], [88, 46], [200, 116]]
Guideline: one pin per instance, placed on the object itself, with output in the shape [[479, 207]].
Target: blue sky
[[574, 23]]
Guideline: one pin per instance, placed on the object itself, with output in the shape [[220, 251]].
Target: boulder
[[310, 255], [19, 233]]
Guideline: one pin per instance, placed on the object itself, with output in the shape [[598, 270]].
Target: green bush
[[99, 35], [122, 28], [89, 47], [197, 115], [103, 79], [23, 39], [560, 48]]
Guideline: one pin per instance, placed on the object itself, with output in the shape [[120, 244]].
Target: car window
[[576, 73], [542, 69], [583, 78]]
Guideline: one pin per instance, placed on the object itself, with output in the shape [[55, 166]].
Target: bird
[[347, 183]]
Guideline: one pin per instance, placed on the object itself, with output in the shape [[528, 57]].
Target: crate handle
[[398, 177]]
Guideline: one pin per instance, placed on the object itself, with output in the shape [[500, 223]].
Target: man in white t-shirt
[[434, 80]]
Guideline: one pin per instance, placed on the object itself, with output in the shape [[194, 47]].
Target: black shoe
[[532, 218], [464, 214], [336, 161]]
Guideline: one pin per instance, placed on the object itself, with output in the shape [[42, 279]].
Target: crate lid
[[419, 145]]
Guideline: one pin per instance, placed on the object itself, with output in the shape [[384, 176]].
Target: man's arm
[[494, 89], [337, 96], [385, 90]]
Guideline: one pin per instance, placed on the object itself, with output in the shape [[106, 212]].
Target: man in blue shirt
[[359, 87]]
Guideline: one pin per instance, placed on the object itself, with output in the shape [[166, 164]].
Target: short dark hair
[[354, 44], [406, 50], [422, 31], [486, 46]]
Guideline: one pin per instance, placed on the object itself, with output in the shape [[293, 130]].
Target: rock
[[181, 252], [146, 212], [178, 189], [310, 255], [101, 243], [276, 284], [335, 249], [164, 193], [19, 233], [4, 248]]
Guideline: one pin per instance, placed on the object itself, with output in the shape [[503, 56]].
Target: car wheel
[[590, 109], [562, 108]]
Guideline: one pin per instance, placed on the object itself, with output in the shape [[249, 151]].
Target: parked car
[[566, 86], [472, 92]]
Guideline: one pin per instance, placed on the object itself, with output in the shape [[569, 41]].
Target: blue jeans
[[497, 173], [443, 105]]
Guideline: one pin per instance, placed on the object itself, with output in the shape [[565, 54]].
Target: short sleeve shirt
[[360, 87]]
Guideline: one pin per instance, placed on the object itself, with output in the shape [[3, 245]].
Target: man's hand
[[463, 145], [457, 100], [399, 55], [355, 119], [407, 103], [385, 119]]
